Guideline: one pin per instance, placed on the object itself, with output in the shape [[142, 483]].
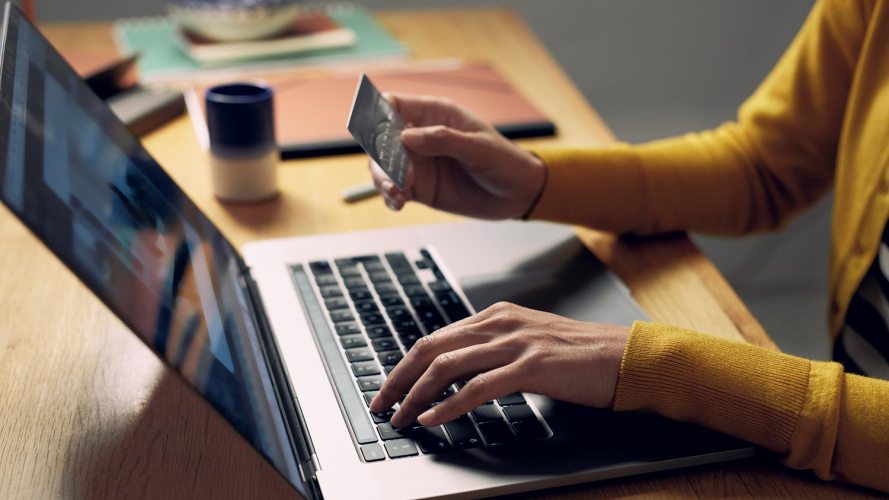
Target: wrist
[[539, 176]]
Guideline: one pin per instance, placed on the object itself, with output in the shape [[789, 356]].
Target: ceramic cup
[[241, 125]]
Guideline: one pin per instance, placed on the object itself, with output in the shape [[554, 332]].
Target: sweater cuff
[[602, 188], [812, 444], [734, 388]]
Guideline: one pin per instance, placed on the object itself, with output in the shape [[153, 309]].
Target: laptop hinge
[[298, 433]]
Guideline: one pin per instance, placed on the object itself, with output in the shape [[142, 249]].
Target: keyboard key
[[354, 282], [378, 331], [429, 313], [382, 416], [370, 383], [452, 305], [519, 413], [367, 259], [400, 448], [366, 307], [384, 344], [374, 267], [415, 291], [359, 354], [372, 452], [463, 433], [390, 300], [496, 432], [347, 328], [336, 303], [341, 316], [331, 291], [350, 341], [379, 277], [405, 325], [399, 313], [422, 264], [429, 439], [369, 396], [388, 432], [372, 319], [371, 261], [386, 289], [325, 279], [345, 262], [487, 413], [398, 262], [511, 399], [388, 369], [409, 339], [529, 430], [439, 286], [320, 267], [358, 295], [408, 279], [348, 271], [362, 368], [421, 302], [390, 357], [431, 326]]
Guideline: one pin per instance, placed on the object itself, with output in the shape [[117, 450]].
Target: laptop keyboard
[[367, 312]]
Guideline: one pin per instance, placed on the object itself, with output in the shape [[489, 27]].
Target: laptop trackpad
[[537, 265], [578, 287]]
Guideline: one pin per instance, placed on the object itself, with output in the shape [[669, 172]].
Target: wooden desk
[[86, 410]]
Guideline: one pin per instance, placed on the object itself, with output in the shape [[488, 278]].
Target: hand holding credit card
[[377, 127]]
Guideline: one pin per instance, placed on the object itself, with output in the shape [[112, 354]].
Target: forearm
[[709, 182], [776, 159], [811, 412]]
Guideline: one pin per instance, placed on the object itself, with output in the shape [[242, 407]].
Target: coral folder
[[311, 110]]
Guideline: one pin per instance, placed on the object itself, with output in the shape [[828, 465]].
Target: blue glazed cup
[[241, 126]]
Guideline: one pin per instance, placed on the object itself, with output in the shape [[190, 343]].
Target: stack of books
[[337, 34], [308, 33]]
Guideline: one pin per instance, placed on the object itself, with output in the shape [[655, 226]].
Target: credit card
[[377, 128]]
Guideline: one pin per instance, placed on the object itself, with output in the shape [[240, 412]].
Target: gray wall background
[[652, 69]]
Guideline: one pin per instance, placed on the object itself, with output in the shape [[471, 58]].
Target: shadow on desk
[[261, 215], [177, 446]]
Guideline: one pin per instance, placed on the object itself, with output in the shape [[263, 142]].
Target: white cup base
[[245, 180]]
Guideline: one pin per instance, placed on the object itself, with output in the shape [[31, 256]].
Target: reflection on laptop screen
[[83, 183]]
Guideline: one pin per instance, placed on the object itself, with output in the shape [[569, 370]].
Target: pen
[[359, 192]]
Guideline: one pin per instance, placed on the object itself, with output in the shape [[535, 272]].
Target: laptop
[[289, 340]]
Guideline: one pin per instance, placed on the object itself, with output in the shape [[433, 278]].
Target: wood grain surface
[[87, 411]]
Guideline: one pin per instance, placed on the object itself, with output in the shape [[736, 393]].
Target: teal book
[[162, 57]]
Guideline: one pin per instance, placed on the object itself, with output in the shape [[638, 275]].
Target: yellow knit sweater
[[820, 119]]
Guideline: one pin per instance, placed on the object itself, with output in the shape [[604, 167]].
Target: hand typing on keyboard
[[503, 350]]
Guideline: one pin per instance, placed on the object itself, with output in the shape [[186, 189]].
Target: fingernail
[[396, 419], [412, 137], [386, 186], [398, 200], [427, 417]]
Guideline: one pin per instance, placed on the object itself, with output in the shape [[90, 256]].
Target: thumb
[[439, 140]]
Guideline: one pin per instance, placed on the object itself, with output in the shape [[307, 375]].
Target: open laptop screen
[[83, 183]]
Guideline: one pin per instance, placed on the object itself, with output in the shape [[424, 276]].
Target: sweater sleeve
[[812, 413], [747, 175]]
